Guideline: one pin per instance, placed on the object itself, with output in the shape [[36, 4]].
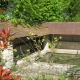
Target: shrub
[[5, 37], [6, 74], [33, 11]]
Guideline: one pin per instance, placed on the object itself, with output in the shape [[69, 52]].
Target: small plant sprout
[[54, 43]]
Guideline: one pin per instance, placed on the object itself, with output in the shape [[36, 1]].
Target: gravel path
[[35, 69]]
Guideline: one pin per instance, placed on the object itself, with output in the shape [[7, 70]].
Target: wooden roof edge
[[66, 28]]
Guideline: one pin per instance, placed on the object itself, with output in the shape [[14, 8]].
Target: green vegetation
[[22, 11], [61, 58], [72, 10], [40, 78], [75, 67], [14, 67], [54, 43], [62, 77], [33, 12]]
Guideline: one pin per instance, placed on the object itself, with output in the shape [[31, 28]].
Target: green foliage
[[75, 67], [33, 11], [35, 44], [14, 50], [14, 67], [63, 77], [27, 58], [54, 44], [73, 10], [36, 41], [40, 78]]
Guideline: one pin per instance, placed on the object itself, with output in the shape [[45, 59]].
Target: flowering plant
[[6, 74], [1, 11], [5, 36]]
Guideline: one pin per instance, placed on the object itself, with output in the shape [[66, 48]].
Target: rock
[[7, 58], [39, 68]]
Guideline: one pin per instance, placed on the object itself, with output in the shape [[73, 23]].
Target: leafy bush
[[6, 74], [32, 11], [5, 37]]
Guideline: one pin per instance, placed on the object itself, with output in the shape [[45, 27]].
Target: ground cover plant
[[61, 77], [61, 58], [40, 78]]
